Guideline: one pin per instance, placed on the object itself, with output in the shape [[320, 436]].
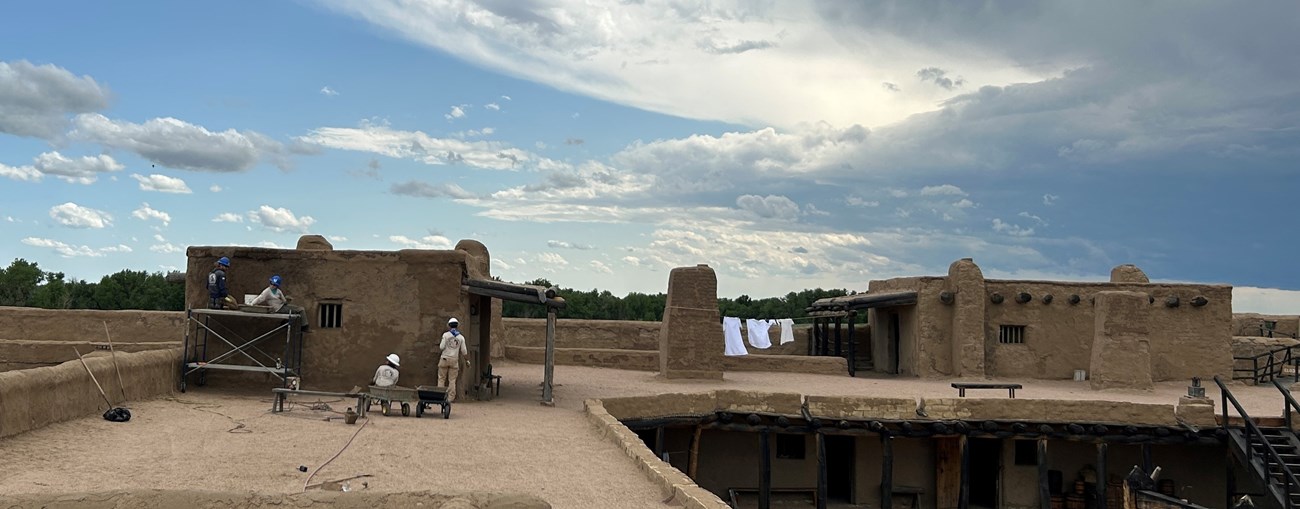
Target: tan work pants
[[448, 372]]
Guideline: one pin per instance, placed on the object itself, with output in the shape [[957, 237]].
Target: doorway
[[985, 467], [839, 467], [895, 339]]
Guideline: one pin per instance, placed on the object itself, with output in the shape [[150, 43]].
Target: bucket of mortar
[[350, 416]]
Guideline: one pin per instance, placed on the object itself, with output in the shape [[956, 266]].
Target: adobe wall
[[625, 335], [33, 337], [393, 302], [1252, 324], [32, 398], [315, 498], [1185, 341], [926, 334]]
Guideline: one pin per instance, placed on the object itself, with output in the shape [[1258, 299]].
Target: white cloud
[[11, 219], [562, 244], [631, 260], [75, 216], [856, 201], [337, 238], [280, 219], [228, 217], [771, 206], [1049, 199], [963, 203], [70, 250], [178, 144], [214, 188], [270, 244], [161, 183], [456, 112], [1014, 230], [601, 268], [898, 193], [552, 259], [425, 242], [145, 213], [418, 146], [1247, 299], [1040, 221], [20, 173], [942, 190], [492, 106], [82, 170], [732, 60], [36, 99], [501, 264], [166, 248], [424, 190], [506, 97], [327, 91]]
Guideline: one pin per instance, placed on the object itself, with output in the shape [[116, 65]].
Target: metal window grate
[[331, 316], [1011, 334]]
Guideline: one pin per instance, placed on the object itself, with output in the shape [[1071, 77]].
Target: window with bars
[[1011, 334], [790, 446], [331, 315]]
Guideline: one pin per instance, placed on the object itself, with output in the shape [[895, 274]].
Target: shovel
[[115, 414]]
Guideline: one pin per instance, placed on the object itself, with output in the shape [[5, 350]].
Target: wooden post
[[1232, 480], [693, 468], [821, 469], [548, 396], [1146, 458], [1100, 487], [1044, 488], [659, 442], [886, 471], [947, 477], [839, 347], [963, 502], [765, 470], [853, 347]]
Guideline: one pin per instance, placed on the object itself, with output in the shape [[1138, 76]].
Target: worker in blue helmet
[[274, 298], [218, 293]]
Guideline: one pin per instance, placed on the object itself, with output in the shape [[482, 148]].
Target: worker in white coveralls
[[453, 347], [386, 375]]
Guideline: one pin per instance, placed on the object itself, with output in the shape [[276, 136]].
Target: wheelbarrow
[[428, 396], [386, 396]]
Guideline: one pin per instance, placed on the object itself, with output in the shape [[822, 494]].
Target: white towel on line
[[735, 345], [757, 330], [787, 330]]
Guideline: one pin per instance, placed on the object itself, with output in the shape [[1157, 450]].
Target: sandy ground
[[195, 440]]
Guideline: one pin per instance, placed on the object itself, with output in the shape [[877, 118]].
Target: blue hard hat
[[224, 261], [275, 280]]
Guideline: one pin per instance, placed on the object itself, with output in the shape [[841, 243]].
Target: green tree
[[18, 283]]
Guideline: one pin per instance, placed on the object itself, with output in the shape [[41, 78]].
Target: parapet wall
[[1252, 324], [626, 335], [33, 337], [32, 398]]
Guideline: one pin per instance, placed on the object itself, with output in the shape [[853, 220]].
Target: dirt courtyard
[[210, 439]]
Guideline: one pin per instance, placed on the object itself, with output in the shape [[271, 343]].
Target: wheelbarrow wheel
[[406, 409], [419, 410], [385, 408], [446, 411]]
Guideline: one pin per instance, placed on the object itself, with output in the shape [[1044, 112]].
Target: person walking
[[453, 347]]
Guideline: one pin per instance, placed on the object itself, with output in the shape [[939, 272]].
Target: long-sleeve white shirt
[[271, 297], [452, 345], [385, 376]]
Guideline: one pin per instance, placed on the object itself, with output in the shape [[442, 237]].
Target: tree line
[[603, 305], [23, 283]]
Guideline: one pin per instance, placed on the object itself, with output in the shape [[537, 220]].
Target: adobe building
[[1127, 332], [359, 307]]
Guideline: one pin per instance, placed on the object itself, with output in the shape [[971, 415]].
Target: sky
[[599, 144]]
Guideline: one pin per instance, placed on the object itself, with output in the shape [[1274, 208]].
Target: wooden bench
[[735, 493], [962, 386], [282, 393]]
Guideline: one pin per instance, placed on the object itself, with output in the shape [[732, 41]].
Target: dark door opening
[[985, 466], [839, 467], [894, 340]]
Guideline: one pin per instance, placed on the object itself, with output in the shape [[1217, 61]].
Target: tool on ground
[[115, 414], [113, 352]]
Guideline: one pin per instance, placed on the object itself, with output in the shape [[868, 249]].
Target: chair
[[491, 379]]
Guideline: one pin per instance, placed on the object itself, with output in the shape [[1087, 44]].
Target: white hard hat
[[393, 358], [453, 321]]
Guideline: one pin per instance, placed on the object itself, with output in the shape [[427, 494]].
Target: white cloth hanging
[[735, 345], [757, 330], [787, 330]]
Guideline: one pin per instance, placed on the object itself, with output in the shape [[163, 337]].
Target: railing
[[1289, 404], [1269, 456], [1272, 368]]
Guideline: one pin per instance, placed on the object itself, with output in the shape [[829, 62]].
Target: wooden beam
[[659, 442], [853, 347], [548, 396], [1044, 487], [694, 467], [964, 501], [1146, 458], [1100, 486], [821, 470], [886, 471], [765, 470]]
